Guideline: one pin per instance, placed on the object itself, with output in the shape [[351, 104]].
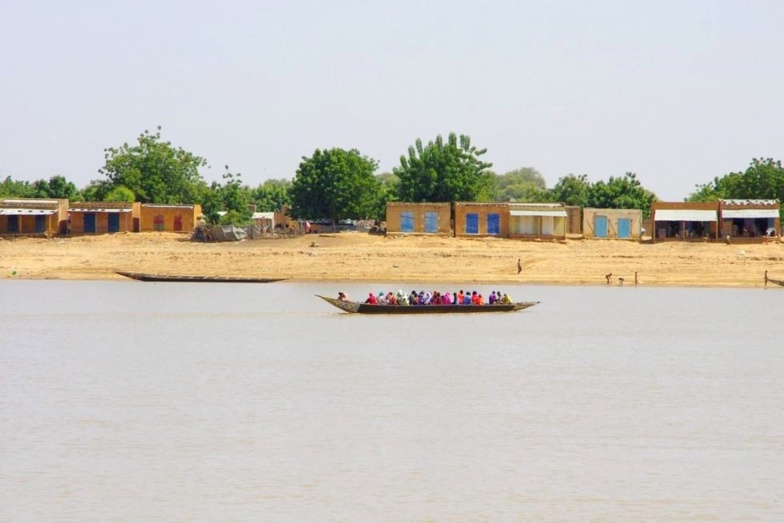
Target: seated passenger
[[342, 296], [381, 300], [491, 299], [371, 299]]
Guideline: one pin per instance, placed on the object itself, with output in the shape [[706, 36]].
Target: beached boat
[[366, 308], [141, 276]]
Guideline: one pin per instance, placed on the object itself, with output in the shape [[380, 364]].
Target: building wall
[[659, 230], [748, 227], [101, 221], [612, 216], [128, 216], [395, 210], [574, 222], [482, 210], [54, 224], [168, 215], [537, 227]]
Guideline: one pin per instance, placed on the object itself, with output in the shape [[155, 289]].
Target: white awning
[[749, 213], [30, 212], [684, 215], [557, 214]]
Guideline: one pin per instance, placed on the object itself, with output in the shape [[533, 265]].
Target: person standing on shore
[[519, 266]]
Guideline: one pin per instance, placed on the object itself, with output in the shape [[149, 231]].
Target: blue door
[[40, 223], [431, 222], [406, 222], [114, 222], [624, 228], [13, 223], [600, 226], [89, 222], [493, 223], [472, 223]]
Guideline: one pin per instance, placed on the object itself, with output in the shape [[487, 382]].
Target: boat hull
[[366, 308], [140, 276]]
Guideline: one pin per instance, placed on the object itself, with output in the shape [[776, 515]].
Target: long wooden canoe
[[366, 308], [141, 276]]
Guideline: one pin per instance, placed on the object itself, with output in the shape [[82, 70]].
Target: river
[[130, 401]]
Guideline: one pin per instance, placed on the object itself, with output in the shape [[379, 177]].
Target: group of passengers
[[437, 298]]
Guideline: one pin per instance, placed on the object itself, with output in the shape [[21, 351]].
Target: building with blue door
[[33, 216], [419, 218], [616, 224], [481, 219], [103, 217]]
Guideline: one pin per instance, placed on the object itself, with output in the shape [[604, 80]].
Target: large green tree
[[335, 184], [572, 190], [444, 171], [271, 195], [764, 178], [621, 193], [153, 170], [56, 187], [10, 188], [525, 184]]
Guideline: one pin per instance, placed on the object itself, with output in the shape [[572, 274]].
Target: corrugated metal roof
[[31, 212], [558, 214], [750, 213], [685, 215], [98, 210], [749, 202]]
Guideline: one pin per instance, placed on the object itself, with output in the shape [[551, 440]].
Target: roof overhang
[[27, 212], [750, 213], [99, 210], [685, 215], [556, 214]]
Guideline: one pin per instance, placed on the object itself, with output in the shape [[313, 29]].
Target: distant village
[[727, 220]]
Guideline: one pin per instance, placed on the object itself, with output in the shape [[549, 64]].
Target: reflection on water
[[128, 400]]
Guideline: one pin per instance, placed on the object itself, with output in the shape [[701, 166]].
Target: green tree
[[155, 171], [56, 187], [10, 188], [336, 184], [231, 197], [120, 194], [444, 171], [621, 193], [571, 190], [764, 179], [525, 184], [271, 195]]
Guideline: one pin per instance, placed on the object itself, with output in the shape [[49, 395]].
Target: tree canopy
[[153, 170], [335, 184], [522, 185], [271, 195], [764, 179], [444, 171]]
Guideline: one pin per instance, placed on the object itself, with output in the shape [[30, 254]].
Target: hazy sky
[[677, 91]]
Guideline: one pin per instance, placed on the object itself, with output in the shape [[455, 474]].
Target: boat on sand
[[142, 276]]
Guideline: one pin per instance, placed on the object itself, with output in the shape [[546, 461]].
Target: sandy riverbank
[[357, 257]]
